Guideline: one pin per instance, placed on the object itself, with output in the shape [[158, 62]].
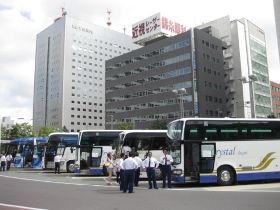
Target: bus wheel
[[68, 167], [158, 173], [225, 176]]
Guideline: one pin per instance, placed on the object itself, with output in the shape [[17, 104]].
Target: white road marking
[[19, 207]]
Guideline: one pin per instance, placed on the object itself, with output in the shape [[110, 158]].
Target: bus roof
[[58, 133], [29, 139], [228, 119], [143, 131], [100, 131]]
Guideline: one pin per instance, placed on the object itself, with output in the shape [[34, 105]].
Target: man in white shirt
[[3, 162], [137, 172], [126, 148], [129, 166], [166, 161], [9, 158], [121, 172], [57, 163], [151, 164]]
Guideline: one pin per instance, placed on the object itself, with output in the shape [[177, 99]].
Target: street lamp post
[[235, 108], [250, 80], [180, 92], [112, 117]]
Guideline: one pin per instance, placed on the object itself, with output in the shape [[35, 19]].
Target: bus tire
[[68, 165], [225, 176]]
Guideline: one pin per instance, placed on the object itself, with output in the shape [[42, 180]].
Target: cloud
[[22, 20]]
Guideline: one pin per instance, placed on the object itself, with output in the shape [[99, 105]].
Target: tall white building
[[69, 83], [276, 4], [246, 74]]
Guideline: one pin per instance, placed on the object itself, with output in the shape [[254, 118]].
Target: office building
[[276, 4], [275, 94], [69, 83], [168, 78], [246, 74]]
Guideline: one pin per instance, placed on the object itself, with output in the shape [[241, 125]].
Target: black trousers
[[136, 179], [8, 165], [3, 163], [57, 167], [166, 172], [121, 180], [118, 176]]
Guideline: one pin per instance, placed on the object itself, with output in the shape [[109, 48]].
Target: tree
[[272, 115], [159, 125], [21, 130], [124, 126], [46, 130], [4, 133], [64, 129]]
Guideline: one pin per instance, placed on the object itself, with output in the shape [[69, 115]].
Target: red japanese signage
[[154, 25]]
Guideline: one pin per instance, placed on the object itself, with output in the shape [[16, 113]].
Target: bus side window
[[146, 144]]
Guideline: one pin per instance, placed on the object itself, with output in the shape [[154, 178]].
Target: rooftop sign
[[155, 26]]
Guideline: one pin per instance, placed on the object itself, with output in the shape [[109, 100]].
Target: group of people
[[6, 162], [128, 170]]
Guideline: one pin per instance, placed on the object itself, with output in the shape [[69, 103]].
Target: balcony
[[230, 90]]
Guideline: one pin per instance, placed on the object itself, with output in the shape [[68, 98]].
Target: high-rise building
[[168, 78], [69, 83], [275, 94], [276, 4], [246, 74]]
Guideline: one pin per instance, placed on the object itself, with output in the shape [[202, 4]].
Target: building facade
[[69, 82], [275, 94], [169, 78], [246, 74], [276, 4]]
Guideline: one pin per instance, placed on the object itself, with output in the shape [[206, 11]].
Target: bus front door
[[207, 161]]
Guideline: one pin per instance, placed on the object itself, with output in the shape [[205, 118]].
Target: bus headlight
[[177, 171]]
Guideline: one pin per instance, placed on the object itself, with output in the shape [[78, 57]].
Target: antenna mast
[[108, 19], [63, 13]]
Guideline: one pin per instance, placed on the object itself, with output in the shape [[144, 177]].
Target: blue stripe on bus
[[212, 178], [258, 176], [95, 171], [178, 179]]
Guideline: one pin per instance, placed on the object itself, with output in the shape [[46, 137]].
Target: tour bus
[[92, 150], [143, 141], [27, 152], [224, 150], [64, 144], [4, 144]]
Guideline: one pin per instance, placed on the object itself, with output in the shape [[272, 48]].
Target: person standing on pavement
[[121, 171], [151, 164], [137, 172], [3, 162], [129, 166], [166, 161], [110, 164], [9, 159], [57, 163]]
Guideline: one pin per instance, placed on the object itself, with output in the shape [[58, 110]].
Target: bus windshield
[[98, 138]]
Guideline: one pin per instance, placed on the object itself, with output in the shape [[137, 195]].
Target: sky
[[22, 20]]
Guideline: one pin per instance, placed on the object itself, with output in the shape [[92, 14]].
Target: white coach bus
[[144, 141], [91, 152], [224, 150]]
